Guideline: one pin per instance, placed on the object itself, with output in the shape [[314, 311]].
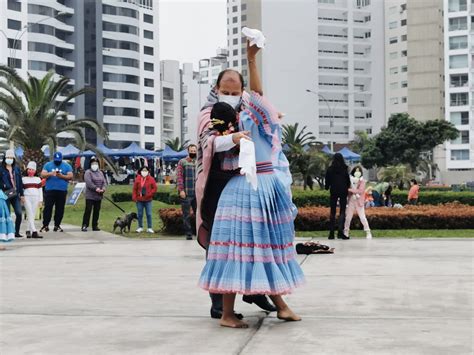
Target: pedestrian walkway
[[86, 293]]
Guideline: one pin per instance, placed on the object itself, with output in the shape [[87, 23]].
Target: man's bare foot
[[288, 315], [232, 322]]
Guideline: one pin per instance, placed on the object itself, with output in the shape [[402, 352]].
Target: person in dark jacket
[[95, 188], [11, 181], [337, 181]]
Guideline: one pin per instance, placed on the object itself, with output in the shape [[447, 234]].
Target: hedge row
[[449, 216], [307, 198]]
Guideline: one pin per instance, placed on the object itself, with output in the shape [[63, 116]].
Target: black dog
[[125, 222]]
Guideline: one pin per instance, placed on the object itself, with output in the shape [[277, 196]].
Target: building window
[[235, 63], [394, 86], [458, 80], [404, 68], [235, 9], [393, 40], [404, 100], [392, 24], [394, 101], [235, 52], [458, 61], [244, 72], [244, 61], [459, 99], [148, 50], [235, 41], [393, 55], [126, 45], [148, 34], [124, 95], [149, 146], [14, 5], [403, 38], [118, 11], [121, 78], [149, 82], [124, 62], [459, 118], [244, 18], [115, 27], [403, 22], [122, 128], [235, 19], [243, 7], [14, 63], [149, 66], [394, 70], [458, 23], [404, 84], [148, 18], [149, 98], [458, 42], [149, 114], [457, 5], [14, 25], [168, 94], [460, 154], [392, 10], [235, 30], [121, 111], [15, 44], [149, 130], [404, 53]]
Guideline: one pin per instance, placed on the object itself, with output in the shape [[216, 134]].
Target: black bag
[[11, 193]]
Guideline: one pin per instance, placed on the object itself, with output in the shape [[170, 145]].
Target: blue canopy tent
[[106, 151], [326, 150], [169, 155], [349, 155], [134, 150]]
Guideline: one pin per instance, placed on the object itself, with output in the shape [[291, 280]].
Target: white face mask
[[9, 161], [144, 173], [95, 167], [357, 174], [233, 101]]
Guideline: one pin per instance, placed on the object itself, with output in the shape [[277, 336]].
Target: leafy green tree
[[291, 136], [33, 114], [404, 140], [176, 145]]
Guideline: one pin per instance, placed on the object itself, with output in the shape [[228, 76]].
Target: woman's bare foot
[[288, 315], [232, 322]]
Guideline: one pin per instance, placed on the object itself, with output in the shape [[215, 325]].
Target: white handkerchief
[[254, 36], [247, 162]]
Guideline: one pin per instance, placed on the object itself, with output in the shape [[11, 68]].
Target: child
[[356, 202], [7, 231], [33, 190], [413, 193], [369, 199]]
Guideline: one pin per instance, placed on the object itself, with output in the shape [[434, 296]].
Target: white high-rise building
[[459, 87], [333, 48], [396, 62], [171, 99], [209, 68], [110, 45]]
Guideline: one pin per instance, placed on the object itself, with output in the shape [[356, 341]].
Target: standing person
[[251, 247], [356, 202], [144, 190], [212, 175], [57, 173], [186, 181], [12, 185], [338, 183], [413, 193], [33, 190], [95, 188]]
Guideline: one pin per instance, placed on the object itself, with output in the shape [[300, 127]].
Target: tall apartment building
[[396, 61], [459, 87], [111, 45], [334, 48], [171, 99], [209, 68]]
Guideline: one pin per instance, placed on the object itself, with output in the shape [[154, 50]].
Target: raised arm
[[254, 76]]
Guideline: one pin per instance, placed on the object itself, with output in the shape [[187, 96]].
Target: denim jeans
[[16, 204], [147, 207], [186, 205]]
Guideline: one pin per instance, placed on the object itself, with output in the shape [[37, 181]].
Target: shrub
[[449, 216], [167, 196]]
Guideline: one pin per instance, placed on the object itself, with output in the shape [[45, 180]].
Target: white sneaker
[[149, 230], [139, 230], [368, 235]]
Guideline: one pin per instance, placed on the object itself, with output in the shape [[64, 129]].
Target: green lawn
[[108, 214]]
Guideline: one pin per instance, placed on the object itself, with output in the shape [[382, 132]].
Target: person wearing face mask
[[12, 185], [356, 202], [57, 173], [186, 180], [95, 188], [144, 190], [33, 190]]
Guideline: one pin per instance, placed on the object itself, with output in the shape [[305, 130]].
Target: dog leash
[[113, 203]]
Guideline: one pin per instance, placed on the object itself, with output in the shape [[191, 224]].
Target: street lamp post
[[331, 116]]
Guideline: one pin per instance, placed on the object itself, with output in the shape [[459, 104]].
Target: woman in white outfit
[[356, 202], [33, 198]]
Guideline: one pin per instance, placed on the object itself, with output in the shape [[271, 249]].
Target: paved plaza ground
[[80, 293]]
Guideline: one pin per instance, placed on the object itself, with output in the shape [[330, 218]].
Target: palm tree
[[176, 145], [399, 174], [34, 114], [292, 137]]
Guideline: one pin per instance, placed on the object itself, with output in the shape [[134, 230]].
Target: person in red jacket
[[144, 189]]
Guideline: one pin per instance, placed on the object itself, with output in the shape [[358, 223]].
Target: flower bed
[[448, 216]]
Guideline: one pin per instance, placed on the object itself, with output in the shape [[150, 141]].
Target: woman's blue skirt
[[7, 230]]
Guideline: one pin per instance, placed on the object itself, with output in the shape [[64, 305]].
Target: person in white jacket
[[33, 198]]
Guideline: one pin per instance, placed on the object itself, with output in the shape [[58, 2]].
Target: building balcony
[[331, 37], [333, 53]]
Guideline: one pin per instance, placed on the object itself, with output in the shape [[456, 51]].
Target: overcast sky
[[192, 29]]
